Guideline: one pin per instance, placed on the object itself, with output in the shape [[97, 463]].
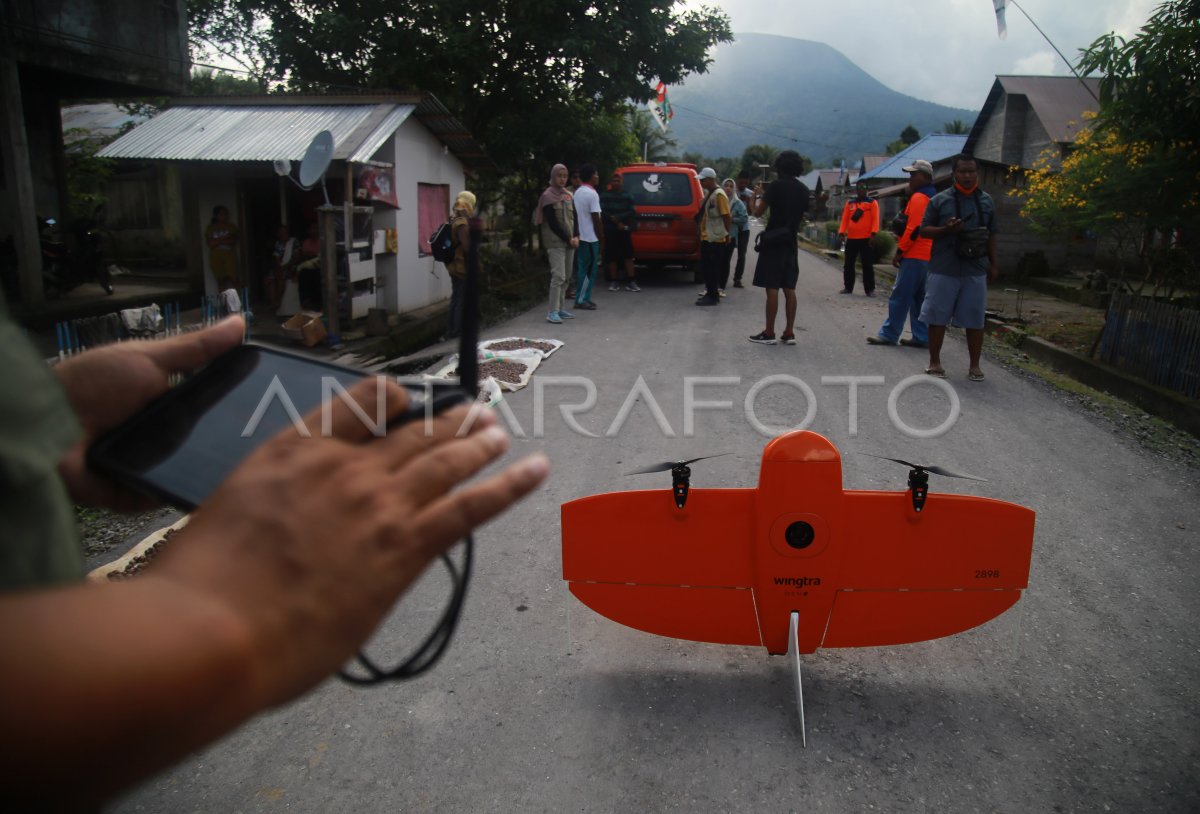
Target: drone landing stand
[[797, 563]]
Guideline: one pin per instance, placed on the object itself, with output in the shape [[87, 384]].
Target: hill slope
[[794, 89]]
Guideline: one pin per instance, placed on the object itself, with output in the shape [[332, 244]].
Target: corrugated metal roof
[[932, 148], [382, 132], [266, 128], [247, 132]]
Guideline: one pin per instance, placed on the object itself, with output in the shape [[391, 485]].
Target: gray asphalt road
[[1081, 698]]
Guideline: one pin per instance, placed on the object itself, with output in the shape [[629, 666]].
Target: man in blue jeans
[[912, 260], [591, 236]]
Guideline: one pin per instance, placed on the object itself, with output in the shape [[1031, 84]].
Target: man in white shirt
[[591, 236]]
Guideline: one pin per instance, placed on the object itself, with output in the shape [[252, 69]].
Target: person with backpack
[[460, 240]]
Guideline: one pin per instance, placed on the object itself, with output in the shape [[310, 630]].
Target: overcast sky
[[944, 51]]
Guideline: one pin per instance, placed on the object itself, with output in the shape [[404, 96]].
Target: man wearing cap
[[961, 221], [715, 220], [860, 222], [912, 260]]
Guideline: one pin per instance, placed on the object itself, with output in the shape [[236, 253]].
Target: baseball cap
[[707, 172], [920, 165]]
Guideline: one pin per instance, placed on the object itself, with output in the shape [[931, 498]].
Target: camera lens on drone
[[799, 535]]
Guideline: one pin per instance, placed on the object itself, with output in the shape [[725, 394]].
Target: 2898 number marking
[[987, 574]]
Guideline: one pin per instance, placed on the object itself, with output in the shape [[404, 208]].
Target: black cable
[[438, 639], [431, 650]]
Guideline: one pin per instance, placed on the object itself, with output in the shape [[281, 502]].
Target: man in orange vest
[[860, 222], [912, 259]]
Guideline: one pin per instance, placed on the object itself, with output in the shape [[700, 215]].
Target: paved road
[[1082, 698]]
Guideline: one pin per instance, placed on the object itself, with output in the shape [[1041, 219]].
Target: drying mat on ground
[[139, 556], [512, 372], [516, 346]]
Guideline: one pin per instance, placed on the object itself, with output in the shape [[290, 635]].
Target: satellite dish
[[282, 167], [316, 159]]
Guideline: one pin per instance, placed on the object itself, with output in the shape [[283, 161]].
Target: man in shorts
[[961, 221], [777, 267], [619, 219]]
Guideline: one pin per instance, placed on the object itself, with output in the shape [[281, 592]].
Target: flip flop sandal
[[937, 373], [975, 377]]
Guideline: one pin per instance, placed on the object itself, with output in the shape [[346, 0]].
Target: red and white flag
[[660, 107], [1001, 28]]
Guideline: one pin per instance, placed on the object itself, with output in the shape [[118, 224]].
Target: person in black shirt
[[777, 267]]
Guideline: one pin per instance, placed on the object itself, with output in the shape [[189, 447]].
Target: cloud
[[1043, 63], [943, 51]]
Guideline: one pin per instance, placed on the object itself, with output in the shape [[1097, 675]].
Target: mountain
[[794, 89]]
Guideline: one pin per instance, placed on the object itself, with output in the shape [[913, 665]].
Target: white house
[[224, 150]]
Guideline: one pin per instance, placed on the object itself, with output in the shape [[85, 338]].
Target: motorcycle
[[68, 262]]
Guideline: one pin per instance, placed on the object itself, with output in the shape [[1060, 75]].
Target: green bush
[[883, 245]]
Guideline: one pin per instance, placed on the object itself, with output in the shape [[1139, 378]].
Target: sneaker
[[738, 284], [553, 317], [566, 315], [913, 343], [845, 291], [870, 293], [614, 286], [708, 301], [721, 292], [586, 306], [763, 338], [704, 292], [633, 286], [878, 340], [787, 339]]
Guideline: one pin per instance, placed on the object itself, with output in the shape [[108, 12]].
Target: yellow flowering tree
[[1133, 178]]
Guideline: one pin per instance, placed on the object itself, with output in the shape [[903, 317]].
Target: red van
[[667, 198]]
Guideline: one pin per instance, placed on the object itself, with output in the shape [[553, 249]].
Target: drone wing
[[910, 577], [686, 573]]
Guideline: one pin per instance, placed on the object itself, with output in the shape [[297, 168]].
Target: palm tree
[[955, 128], [653, 143]]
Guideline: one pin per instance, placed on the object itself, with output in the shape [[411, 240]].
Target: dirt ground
[[1065, 324]]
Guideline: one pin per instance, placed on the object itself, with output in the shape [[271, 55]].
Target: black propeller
[[935, 470], [918, 479], [668, 465]]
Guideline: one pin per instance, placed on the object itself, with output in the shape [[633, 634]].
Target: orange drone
[[799, 562]]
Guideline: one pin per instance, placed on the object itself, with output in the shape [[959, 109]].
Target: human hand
[[311, 540], [574, 243], [954, 225], [993, 272], [108, 385], [896, 260]]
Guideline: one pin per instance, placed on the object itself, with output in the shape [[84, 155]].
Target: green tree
[[500, 67], [910, 136], [756, 155], [1150, 96], [652, 143], [208, 82], [956, 128]]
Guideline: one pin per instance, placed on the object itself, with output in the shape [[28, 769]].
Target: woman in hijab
[[460, 229], [555, 214]]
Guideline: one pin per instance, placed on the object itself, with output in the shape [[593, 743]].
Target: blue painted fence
[[1155, 341]]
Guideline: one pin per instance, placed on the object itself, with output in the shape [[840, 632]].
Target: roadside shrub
[[883, 245]]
